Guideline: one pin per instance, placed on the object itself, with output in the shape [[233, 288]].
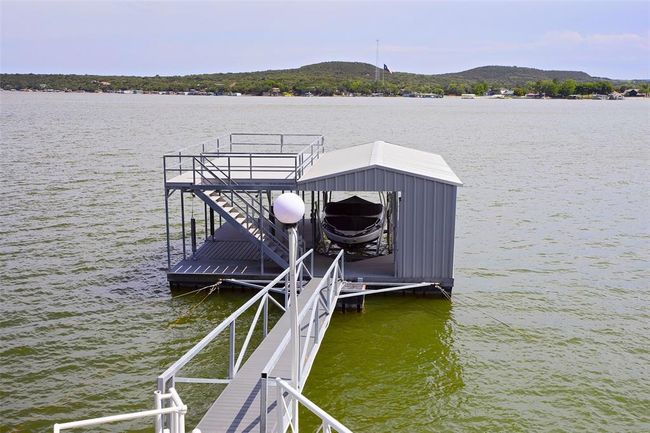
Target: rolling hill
[[325, 78]]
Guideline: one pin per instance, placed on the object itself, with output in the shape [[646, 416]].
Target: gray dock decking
[[237, 409], [231, 255]]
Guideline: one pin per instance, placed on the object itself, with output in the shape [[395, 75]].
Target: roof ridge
[[377, 154], [387, 156]]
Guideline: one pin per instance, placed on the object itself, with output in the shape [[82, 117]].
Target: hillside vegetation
[[329, 78]]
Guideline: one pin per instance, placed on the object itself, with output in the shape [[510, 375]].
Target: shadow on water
[[393, 367]]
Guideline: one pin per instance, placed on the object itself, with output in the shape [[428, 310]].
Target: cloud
[[623, 38], [570, 39], [629, 40], [560, 37]]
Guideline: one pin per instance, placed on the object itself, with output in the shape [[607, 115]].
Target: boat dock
[[233, 238], [231, 231]]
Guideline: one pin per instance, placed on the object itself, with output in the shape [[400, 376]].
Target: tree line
[[299, 82]]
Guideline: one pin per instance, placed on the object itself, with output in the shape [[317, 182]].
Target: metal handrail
[[176, 413], [268, 227], [281, 137], [325, 296], [302, 158], [229, 322], [330, 283], [312, 156], [333, 275], [202, 145], [288, 168], [328, 422], [271, 233], [232, 182]]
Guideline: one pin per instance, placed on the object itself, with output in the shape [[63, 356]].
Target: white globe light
[[288, 208]]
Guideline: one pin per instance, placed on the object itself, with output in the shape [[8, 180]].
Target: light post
[[289, 209]]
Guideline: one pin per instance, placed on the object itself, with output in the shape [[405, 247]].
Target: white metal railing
[[175, 412], [169, 412], [169, 377], [212, 143], [237, 160], [328, 422], [318, 309]]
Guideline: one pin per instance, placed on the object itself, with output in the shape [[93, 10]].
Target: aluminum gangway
[[259, 395]]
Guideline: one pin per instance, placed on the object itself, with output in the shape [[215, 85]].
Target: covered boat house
[[424, 190], [238, 179]]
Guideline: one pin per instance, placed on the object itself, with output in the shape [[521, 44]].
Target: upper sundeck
[[251, 160]]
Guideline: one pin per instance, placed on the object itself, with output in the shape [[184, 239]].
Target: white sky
[[610, 39]]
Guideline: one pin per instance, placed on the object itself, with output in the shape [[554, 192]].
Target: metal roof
[[385, 155]]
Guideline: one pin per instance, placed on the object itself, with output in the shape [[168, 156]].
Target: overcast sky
[[610, 39]]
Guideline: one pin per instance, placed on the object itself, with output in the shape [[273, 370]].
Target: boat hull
[[353, 222]]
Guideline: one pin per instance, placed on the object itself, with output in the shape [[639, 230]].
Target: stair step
[[251, 225]]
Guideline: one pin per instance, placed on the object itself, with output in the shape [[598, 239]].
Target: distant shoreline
[[341, 79], [614, 96]]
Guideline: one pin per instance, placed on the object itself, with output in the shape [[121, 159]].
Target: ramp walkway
[[238, 407], [259, 394]]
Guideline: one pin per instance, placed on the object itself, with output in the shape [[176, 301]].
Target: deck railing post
[[193, 236], [231, 353], [183, 223], [169, 251], [264, 389], [205, 220], [260, 225], [158, 426], [181, 419], [212, 223]]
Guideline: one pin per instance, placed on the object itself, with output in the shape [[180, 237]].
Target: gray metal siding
[[426, 226]]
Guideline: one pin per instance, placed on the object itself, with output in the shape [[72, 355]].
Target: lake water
[[549, 330]]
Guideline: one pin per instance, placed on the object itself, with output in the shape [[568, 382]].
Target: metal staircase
[[248, 214], [231, 178]]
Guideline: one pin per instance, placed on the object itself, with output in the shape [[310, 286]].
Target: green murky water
[[548, 332]]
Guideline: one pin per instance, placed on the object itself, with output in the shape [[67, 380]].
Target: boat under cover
[[353, 222]]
